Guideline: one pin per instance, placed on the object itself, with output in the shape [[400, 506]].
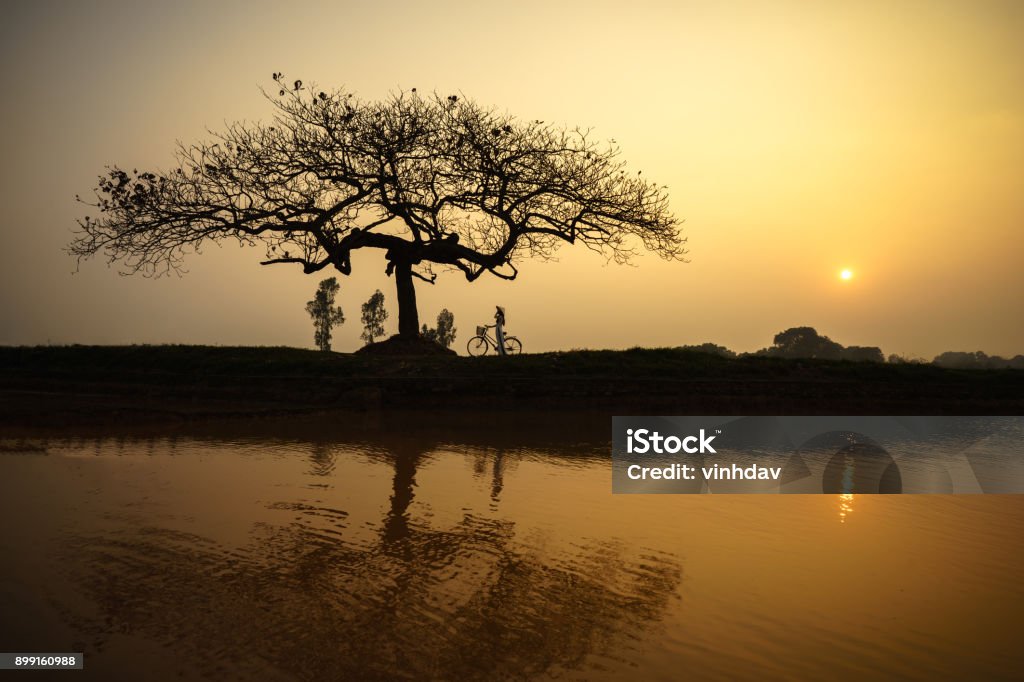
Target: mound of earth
[[400, 345]]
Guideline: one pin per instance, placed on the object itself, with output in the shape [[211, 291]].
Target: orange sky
[[797, 139]]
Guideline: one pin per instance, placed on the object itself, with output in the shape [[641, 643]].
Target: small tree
[[324, 313], [373, 317], [444, 334]]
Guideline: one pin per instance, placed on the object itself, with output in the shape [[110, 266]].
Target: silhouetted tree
[[374, 315], [803, 342], [905, 360], [960, 360], [806, 342], [862, 354], [428, 180], [711, 348], [444, 333], [324, 313]]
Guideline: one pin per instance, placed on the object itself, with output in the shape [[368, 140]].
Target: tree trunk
[[408, 316]]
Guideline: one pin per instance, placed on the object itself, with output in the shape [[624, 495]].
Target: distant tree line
[[806, 342], [978, 360]]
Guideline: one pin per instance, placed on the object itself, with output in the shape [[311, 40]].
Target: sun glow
[[846, 274]]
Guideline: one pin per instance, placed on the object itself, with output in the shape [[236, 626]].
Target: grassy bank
[[74, 383]]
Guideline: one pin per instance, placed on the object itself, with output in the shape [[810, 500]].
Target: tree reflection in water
[[308, 600]]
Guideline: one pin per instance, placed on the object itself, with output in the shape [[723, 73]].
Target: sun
[[846, 274]]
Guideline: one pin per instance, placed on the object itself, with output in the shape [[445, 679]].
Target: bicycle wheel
[[477, 346], [513, 346]]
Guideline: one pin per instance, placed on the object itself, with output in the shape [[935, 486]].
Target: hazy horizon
[[797, 140]]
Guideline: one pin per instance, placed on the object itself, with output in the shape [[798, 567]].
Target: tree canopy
[[433, 181]]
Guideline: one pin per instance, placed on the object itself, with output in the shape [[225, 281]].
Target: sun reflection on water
[[845, 507]]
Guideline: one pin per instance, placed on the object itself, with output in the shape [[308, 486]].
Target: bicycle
[[483, 342]]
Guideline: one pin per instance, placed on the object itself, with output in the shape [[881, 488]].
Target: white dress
[[499, 333]]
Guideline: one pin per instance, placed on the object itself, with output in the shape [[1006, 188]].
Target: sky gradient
[[797, 139]]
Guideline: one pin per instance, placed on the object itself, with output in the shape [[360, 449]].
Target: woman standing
[[499, 329]]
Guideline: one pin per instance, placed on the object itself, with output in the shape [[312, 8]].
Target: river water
[[293, 555]]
